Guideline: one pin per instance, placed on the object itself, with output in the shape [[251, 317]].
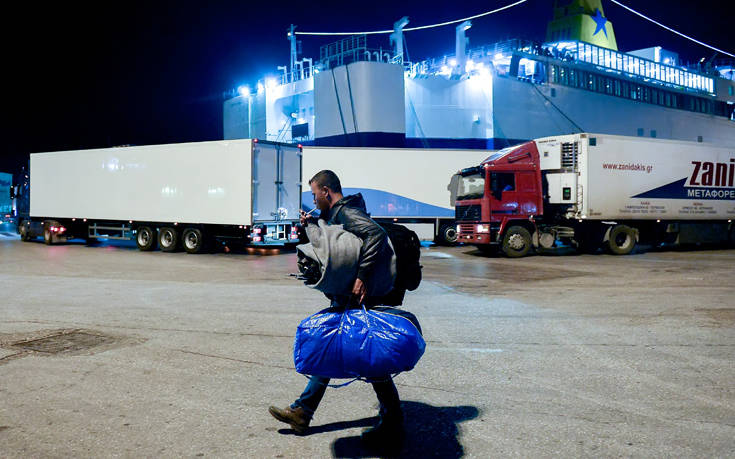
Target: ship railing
[[633, 66]]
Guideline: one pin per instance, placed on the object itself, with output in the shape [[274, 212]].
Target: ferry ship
[[488, 97]]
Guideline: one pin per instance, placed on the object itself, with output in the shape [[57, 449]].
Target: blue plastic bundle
[[358, 343]]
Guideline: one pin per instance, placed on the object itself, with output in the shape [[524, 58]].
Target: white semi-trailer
[[174, 196], [414, 186], [598, 190]]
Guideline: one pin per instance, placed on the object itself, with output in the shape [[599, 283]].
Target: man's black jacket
[[351, 213]]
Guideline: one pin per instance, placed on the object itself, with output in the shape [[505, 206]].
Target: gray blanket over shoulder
[[338, 254]]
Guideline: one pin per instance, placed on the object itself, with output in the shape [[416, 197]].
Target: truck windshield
[[471, 187]]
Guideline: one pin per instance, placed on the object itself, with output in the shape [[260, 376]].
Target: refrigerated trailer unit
[[413, 186], [174, 196], [595, 190], [6, 197]]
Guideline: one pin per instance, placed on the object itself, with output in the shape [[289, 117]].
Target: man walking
[[349, 211]]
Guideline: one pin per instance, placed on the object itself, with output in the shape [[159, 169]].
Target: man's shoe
[[297, 418], [387, 434]]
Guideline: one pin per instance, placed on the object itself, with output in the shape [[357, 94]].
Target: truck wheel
[[193, 240], [146, 238], [447, 234], [621, 240], [516, 242], [168, 239]]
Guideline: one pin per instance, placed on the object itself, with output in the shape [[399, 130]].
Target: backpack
[[407, 247]]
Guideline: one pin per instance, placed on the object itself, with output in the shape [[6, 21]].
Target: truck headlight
[[483, 228]]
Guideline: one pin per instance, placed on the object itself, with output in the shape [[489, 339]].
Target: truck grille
[[569, 155], [468, 213], [467, 228]]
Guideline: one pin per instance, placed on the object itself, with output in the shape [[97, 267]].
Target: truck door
[[503, 194], [289, 188], [265, 173], [276, 182]]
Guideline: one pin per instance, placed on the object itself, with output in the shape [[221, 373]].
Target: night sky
[[90, 75]]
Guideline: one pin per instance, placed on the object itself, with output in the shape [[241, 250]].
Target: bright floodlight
[[244, 90], [452, 62], [270, 83], [498, 56], [260, 87]]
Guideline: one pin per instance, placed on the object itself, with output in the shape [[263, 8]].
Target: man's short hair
[[328, 179]]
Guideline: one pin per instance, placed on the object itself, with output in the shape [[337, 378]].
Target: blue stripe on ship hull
[[384, 204], [393, 140], [495, 143]]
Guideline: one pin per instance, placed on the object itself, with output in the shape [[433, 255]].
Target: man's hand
[[304, 217], [359, 290]]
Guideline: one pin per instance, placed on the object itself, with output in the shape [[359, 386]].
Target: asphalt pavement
[[110, 352]]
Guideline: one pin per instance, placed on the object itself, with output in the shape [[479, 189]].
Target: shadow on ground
[[431, 431]]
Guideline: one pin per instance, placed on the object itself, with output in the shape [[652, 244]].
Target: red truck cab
[[498, 200]]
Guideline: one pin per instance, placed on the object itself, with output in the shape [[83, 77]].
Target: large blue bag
[[357, 343]]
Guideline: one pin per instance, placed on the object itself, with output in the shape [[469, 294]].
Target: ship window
[[653, 133], [640, 132], [731, 91], [617, 88], [608, 86], [668, 99]]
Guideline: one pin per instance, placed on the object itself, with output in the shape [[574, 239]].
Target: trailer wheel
[[516, 242], [146, 238], [168, 239], [621, 240], [447, 234], [193, 240], [24, 231], [48, 236]]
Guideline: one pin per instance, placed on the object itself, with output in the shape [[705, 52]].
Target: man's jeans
[[390, 404]]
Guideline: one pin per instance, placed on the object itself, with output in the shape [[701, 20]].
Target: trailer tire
[[48, 236], [146, 238], [168, 239], [24, 231], [447, 234], [193, 240], [621, 240], [516, 242]]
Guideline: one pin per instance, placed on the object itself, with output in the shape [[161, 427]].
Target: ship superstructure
[[489, 96]]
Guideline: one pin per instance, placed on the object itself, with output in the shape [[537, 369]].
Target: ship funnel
[[396, 38], [460, 47]]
